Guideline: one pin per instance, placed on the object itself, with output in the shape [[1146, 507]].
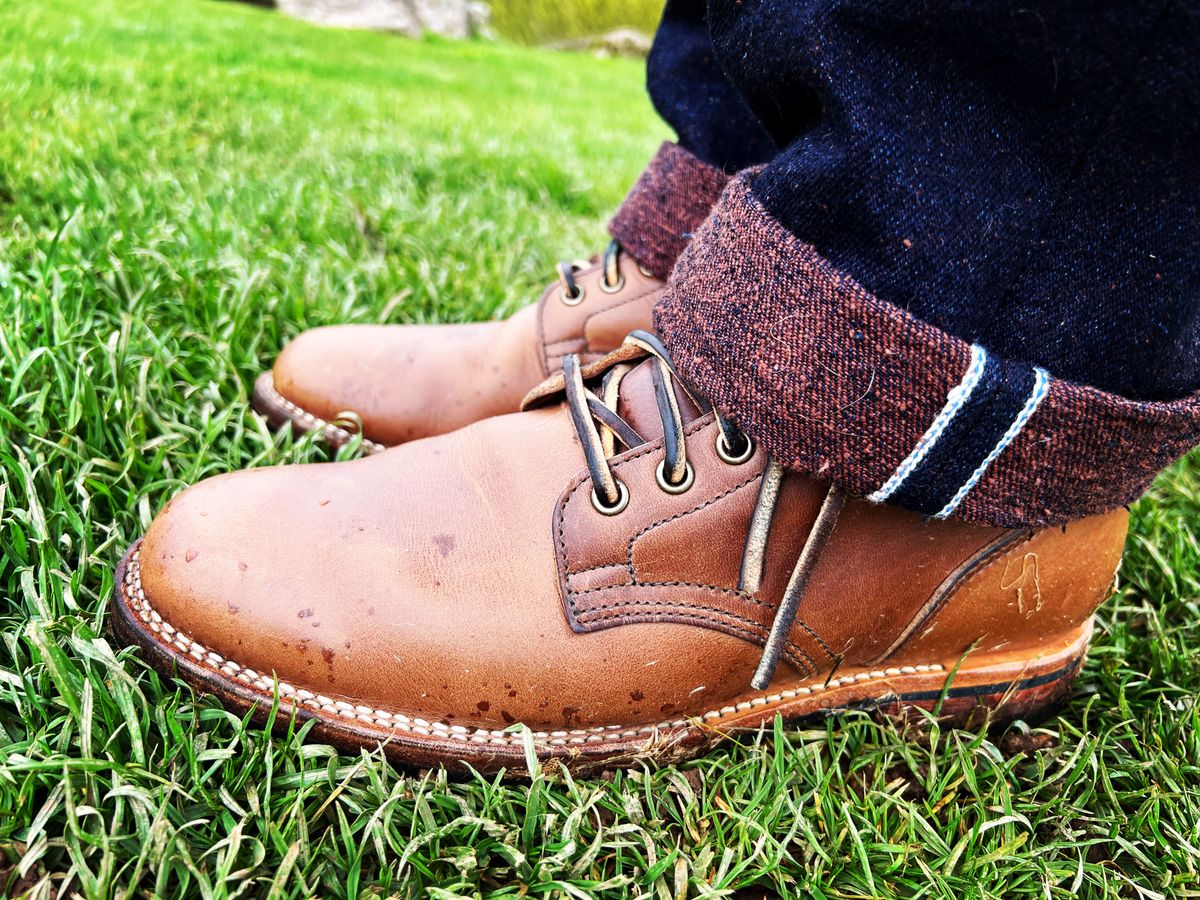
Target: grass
[[183, 186], [545, 21]]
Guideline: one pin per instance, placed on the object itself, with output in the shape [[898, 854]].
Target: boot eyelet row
[[573, 299], [614, 287], [670, 487], [733, 459], [616, 508]]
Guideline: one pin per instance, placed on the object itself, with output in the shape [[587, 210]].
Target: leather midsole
[[982, 675]]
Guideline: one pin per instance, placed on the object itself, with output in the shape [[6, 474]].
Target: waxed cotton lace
[[600, 428]]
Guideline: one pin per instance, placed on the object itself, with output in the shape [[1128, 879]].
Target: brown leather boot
[[614, 573], [411, 381]]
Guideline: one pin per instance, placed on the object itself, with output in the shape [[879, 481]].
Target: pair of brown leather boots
[[613, 572]]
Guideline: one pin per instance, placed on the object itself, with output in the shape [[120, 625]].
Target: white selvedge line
[[135, 595], [313, 423]]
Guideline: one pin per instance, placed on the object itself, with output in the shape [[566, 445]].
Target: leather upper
[[469, 577], [411, 381], [597, 322]]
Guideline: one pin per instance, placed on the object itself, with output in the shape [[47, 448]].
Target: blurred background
[[605, 27]]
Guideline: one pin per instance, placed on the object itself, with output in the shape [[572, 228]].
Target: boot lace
[[602, 431]]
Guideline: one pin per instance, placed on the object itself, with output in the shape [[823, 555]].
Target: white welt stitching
[[133, 593], [313, 423]]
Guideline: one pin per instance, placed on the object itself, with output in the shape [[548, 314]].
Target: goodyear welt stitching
[[314, 423], [135, 598]]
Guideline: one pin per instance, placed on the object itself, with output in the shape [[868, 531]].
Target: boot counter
[[1039, 585]]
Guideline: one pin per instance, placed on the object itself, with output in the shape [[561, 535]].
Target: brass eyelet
[[731, 458], [575, 300], [660, 475], [618, 507], [646, 271], [613, 288]]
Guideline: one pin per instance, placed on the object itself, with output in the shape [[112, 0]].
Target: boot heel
[[997, 709], [1000, 689]]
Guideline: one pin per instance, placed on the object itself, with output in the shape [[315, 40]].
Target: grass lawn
[[186, 185], [545, 21]]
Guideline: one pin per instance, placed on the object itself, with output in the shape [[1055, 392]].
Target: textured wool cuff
[[841, 385], [668, 203]]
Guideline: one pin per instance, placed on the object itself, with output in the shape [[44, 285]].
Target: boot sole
[[279, 411], [985, 690]]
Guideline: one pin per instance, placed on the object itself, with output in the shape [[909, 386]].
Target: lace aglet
[[769, 661], [767, 665], [785, 616]]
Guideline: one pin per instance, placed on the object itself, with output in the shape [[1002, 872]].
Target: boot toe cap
[[252, 566], [328, 372], [422, 581]]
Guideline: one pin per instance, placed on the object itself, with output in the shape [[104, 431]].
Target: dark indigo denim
[[690, 91], [1023, 175]]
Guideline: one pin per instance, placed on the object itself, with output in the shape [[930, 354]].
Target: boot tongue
[[637, 405]]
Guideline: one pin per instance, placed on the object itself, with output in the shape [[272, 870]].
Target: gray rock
[[618, 42], [451, 18]]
